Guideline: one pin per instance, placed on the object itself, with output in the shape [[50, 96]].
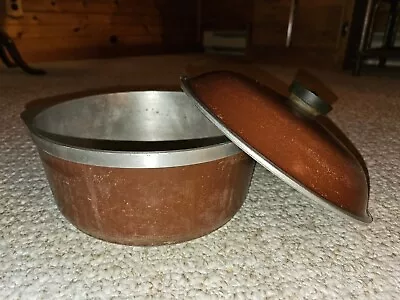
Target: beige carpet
[[279, 246]]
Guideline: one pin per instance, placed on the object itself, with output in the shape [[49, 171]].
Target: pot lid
[[287, 136]]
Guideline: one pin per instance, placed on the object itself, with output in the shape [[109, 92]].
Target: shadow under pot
[[139, 168]]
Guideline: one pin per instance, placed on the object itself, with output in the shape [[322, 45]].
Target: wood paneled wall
[[76, 29], [316, 24], [319, 32], [227, 14]]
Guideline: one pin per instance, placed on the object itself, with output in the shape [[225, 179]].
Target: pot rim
[[55, 145]]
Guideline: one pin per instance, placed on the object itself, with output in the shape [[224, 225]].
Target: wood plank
[[74, 42], [84, 20], [93, 6], [226, 14], [148, 7], [28, 31], [78, 6], [73, 29], [316, 24], [343, 39], [56, 18], [270, 22], [268, 34], [271, 11], [22, 32], [70, 48], [321, 28]]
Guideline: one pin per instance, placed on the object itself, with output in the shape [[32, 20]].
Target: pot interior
[[135, 121]]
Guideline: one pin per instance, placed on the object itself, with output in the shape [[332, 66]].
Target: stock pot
[[141, 167]]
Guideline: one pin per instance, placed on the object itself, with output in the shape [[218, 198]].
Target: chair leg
[[372, 24], [5, 59], [390, 32], [9, 45], [364, 37], [358, 64]]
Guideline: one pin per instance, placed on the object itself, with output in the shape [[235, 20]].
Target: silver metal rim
[[129, 158], [265, 162]]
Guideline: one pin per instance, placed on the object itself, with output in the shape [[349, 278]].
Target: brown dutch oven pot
[[143, 167], [155, 166]]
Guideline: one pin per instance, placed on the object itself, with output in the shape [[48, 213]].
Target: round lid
[[284, 135]]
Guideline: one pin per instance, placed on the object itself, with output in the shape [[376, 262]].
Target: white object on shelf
[[227, 42]]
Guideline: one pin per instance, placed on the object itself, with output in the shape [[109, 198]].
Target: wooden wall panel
[[270, 22], [73, 29], [51, 18], [318, 24], [226, 14], [92, 6], [93, 47], [318, 31]]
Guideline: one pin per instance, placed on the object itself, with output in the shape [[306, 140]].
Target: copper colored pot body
[[149, 206], [139, 168]]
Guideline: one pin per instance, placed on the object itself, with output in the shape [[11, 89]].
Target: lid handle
[[307, 101]]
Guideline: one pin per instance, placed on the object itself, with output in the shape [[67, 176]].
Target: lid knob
[[307, 101]]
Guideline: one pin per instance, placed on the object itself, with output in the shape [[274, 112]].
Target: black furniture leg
[[370, 34], [367, 36], [363, 40], [390, 32], [5, 59], [357, 67], [9, 45]]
